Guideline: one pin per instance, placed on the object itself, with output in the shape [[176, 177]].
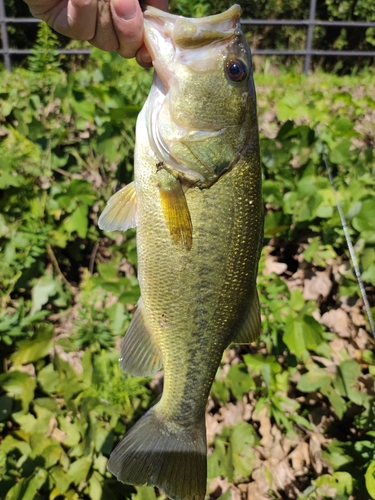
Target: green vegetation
[[292, 417], [261, 37]]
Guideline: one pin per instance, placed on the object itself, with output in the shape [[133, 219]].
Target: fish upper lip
[[190, 33], [231, 13]]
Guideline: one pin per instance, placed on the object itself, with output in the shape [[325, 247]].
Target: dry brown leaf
[[294, 283], [73, 358], [29, 369], [58, 434], [228, 415], [318, 286], [218, 486], [265, 428], [337, 345], [357, 317], [261, 485], [214, 426], [300, 458], [236, 492], [362, 339], [315, 449], [255, 493], [232, 413], [273, 266], [338, 321]]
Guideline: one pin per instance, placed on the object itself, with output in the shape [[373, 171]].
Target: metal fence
[[6, 51]]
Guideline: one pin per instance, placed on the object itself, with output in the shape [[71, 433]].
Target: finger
[[81, 19], [73, 18], [159, 4], [105, 35], [40, 7], [128, 21], [143, 57]]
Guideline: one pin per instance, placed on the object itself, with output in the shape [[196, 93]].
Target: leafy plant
[[44, 56], [68, 290]]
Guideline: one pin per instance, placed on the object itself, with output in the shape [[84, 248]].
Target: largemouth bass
[[196, 202]]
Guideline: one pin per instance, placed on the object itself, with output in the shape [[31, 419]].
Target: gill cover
[[198, 122]]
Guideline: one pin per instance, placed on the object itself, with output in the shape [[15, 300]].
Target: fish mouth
[[168, 36], [189, 33]]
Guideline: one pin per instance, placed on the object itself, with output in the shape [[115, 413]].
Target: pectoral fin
[[120, 212], [251, 327], [176, 212]]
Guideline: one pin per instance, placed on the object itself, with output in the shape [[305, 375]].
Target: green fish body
[[196, 202]]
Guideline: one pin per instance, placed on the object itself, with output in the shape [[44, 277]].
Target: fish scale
[[196, 200]]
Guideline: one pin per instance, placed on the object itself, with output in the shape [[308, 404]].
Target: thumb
[[128, 23]]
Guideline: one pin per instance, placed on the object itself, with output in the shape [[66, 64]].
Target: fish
[[196, 202]]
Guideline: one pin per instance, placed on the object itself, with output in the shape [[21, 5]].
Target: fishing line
[[344, 224], [347, 237]]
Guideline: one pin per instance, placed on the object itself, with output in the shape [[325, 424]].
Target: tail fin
[[165, 455]]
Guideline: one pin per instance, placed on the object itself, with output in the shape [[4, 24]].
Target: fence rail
[[6, 51]]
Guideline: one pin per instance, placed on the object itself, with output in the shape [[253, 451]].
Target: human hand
[[106, 24]]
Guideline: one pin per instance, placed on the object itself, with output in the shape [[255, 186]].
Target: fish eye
[[236, 69]]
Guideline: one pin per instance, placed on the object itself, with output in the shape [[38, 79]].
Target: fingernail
[[126, 9]]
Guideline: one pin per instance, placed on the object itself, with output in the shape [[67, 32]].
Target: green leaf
[[95, 486], [6, 108], [314, 379], [337, 402], [256, 362], [239, 381], [243, 440], [71, 429], [145, 493], [78, 222], [20, 385], [275, 223], [369, 274], [61, 479], [220, 460], [363, 222], [370, 479], [6, 405], [45, 287], [48, 379], [340, 482], [301, 334], [82, 106], [341, 153], [79, 469], [27, 488], [220, 391], [346, 381], [36, 348], [296, 300]]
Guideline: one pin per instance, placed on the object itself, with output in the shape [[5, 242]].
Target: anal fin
[[139, 353], [121, 209], [176, 210], [252, 326]]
